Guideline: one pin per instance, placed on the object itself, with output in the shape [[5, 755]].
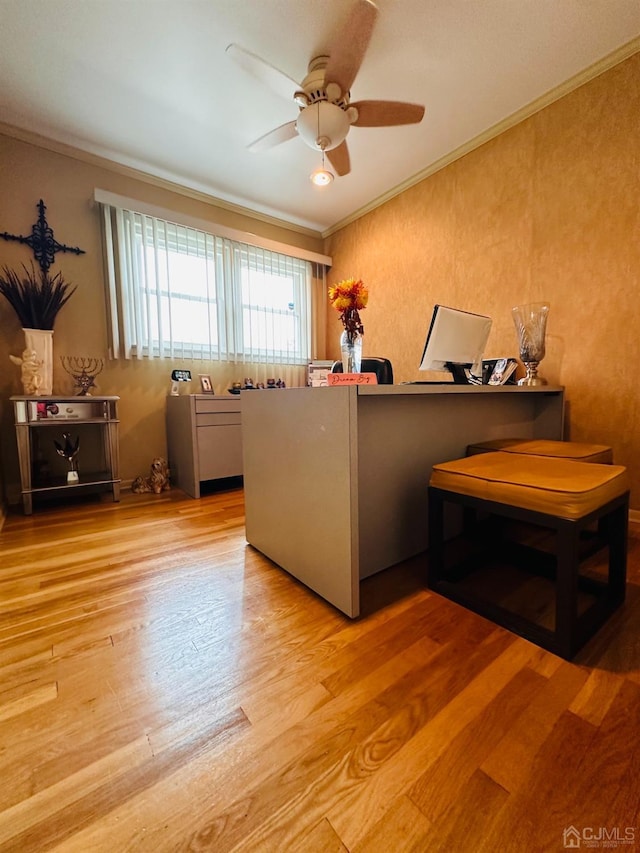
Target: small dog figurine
[[156, 482]]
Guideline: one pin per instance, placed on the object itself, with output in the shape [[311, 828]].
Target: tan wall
[[29, 173], [549, 210]]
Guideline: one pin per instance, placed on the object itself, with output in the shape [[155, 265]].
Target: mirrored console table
[[42, 422]]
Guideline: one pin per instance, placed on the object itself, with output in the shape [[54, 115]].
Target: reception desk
[[336, 478]]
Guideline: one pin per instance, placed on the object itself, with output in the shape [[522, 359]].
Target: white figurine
[[30, 371]]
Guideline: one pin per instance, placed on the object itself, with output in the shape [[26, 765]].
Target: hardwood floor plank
[[467, 819], [510, 763], [545, 663], [206, 788], [68, 809], [403, 827], [627, 800], [607, 771], [19, 652], [16, 823], [466, 752], [535, 815], [32, 699], [595, 698], [390, 639], [31, 669], [302, 701], [429, 742], [321, 839], [310, 664]]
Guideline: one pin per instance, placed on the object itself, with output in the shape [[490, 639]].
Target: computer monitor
[[455, 341]]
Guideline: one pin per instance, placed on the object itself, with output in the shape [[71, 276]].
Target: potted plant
[[36, 297]]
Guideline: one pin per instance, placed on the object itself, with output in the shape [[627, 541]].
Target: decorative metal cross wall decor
[[42, 241]]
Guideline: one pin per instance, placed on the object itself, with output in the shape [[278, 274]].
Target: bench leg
[[618, 527], [435, 564], [567, 568]]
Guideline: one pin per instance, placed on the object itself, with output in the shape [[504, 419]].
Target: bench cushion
[[577, 450], [558, 487]]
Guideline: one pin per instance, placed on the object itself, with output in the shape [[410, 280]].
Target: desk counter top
[[452, 388]]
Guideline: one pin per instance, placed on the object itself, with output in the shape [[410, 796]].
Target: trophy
[[83, 371], [69, 450]]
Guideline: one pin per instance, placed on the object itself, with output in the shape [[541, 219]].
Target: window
[[177, 291]]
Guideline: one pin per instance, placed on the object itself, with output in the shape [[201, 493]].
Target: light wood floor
[[163, 687]]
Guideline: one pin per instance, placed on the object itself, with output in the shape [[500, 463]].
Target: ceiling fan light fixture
[[322, 125], [321, 177], [323, 98]]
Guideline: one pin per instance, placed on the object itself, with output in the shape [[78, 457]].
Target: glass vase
[[351, 351], [531, 324]]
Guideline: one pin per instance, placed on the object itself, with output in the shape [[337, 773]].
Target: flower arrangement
[[349, 297]]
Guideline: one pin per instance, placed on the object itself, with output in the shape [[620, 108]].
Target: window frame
[[129, 305]]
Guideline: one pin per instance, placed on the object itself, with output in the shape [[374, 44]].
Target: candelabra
[[83, 372]]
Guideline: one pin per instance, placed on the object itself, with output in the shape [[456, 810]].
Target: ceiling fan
[[323, 97]]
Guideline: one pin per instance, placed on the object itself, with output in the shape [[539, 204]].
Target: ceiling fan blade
[[347, 53], [387, 113], [339, 158], [268, 74], [274, 137]]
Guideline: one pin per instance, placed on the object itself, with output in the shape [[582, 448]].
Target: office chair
[[380, 366]]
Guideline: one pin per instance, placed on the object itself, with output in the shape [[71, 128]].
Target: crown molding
[[66, 150], [627, 50]]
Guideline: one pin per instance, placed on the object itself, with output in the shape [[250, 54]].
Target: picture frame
[[317, 372], [502, 371], [205, 383]]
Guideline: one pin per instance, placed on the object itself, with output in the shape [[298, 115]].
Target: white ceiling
[[147, 84]]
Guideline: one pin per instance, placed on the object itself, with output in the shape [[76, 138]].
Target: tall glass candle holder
[[531, 324]]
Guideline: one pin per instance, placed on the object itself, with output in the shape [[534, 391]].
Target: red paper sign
[[352, 379]]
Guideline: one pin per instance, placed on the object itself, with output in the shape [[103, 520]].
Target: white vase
[[41, 342]]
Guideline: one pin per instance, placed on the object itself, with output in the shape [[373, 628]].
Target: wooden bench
[[577, 451], [565, 501]]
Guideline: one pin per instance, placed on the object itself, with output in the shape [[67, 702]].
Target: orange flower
[[348, 297], [349, 293]]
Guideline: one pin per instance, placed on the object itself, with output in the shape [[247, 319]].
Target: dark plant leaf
[[37, 297]]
